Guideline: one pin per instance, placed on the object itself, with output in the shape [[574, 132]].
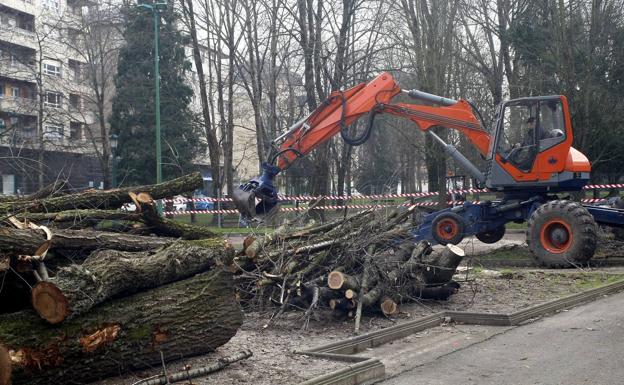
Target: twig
[[190, 374]]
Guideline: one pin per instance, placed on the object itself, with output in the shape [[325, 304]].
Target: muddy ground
[[494, 290]]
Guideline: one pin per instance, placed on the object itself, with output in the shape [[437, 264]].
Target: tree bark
[[337, 280], [110, 199], [168, 227], [17, 241], [80, 218], [182, 319], [107, 273], [441, 265]]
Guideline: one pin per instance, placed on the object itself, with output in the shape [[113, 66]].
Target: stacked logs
[[90, 290], [365, 262]]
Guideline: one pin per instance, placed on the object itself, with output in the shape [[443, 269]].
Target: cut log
[[440, 265], [388, 306], [167, 227], [80, 218], [350, 294], [181, 319], [105, 274], [247, 241], [338, 280], [108, 199], [17, 241], [253, 249]]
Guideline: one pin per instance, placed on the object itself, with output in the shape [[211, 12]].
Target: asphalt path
[[584, 345]]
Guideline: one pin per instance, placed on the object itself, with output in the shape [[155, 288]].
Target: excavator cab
[[532, 147]]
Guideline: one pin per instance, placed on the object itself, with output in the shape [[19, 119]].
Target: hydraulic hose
[[344, 129]]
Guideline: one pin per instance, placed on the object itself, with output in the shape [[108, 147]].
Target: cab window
[[551, 129], [517, 139]]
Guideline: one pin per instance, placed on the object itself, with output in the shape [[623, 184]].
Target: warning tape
[[335, 207], [603, 186], [375, 196]]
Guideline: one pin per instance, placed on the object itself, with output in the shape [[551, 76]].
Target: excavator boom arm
[[343, 108]]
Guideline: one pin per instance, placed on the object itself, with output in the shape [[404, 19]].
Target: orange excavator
[[529, 157]]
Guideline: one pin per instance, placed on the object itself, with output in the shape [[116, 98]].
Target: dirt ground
[[503, 290]]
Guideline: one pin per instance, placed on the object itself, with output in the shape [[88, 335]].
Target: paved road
[[584, 345]]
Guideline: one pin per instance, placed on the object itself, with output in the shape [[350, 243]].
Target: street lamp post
[[155, 8], [114, 140]]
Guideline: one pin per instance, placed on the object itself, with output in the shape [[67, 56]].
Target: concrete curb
[[366, 369]]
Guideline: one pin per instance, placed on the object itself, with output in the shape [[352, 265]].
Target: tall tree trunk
[[214, 153]]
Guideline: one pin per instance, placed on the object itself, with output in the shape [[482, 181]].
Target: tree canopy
[[133, 115]]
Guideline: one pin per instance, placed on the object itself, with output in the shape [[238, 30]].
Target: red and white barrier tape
[[357, 207], [603, 186], [377, 196]]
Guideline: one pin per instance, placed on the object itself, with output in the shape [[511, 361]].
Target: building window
[[28, 132], [53, 99], [53, 5], [15, 92], [1, 90], [74, 101], [53, 132], [73, 36], [75, 131], [14, 60], [51, 69], [75, 70], [8, 184], [7, 20]]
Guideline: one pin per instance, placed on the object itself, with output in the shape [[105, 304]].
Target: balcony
[[23, 106], [25, 6], [17, 71], [18, 36]]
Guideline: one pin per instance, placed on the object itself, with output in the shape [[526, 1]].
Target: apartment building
[[44, 97]]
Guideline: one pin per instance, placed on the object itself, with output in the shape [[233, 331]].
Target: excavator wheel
[[448, 228], [561, 233], [492, 236]]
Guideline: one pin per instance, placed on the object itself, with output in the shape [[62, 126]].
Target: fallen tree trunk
[[108, 199], [80, 218], [57, 187], [27, 241], [105, 274], [181, 319], [167, 227]]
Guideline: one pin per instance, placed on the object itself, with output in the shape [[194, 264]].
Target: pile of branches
[[89, 290], [366, 262]]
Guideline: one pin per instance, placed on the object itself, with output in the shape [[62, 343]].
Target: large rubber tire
[[492, 236], [561, 234], [448, 228]]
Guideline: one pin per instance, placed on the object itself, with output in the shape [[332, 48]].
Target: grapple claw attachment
[[258, 197]]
